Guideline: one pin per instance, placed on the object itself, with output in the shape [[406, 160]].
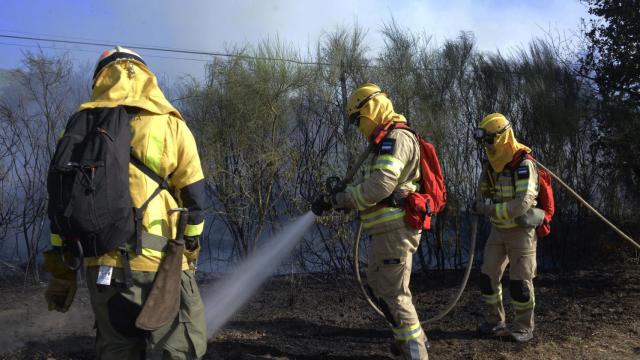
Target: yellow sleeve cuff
[[56, 240], [194, 230]]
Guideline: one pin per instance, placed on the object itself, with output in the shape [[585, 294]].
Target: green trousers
[[116, 311]]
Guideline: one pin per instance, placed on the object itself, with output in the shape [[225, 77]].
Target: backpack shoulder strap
[[404, 126], [383, 130], [162, 182], [519, 157]]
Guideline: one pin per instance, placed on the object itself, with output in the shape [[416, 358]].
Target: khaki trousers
[[388, 273], [116, 310], [516, 248]]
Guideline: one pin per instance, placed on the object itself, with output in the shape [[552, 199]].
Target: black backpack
[[90, 205]]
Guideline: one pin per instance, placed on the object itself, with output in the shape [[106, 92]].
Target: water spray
[[235, 290]]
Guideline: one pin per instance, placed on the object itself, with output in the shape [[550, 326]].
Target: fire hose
[[341, 184], [335, 184], [588, 206], [454, 300]]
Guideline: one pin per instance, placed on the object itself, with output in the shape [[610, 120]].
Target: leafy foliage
[[270, 131], [612, 62]]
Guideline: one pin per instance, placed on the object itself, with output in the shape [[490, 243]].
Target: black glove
[[192, 248], [320, 205], [191, 242]]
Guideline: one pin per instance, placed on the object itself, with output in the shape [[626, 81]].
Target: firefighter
[[163, 142], [509, 187], [394, 170]]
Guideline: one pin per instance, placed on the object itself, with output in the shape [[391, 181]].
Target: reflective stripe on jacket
[[165, 144], [389, 171], [512, 192]]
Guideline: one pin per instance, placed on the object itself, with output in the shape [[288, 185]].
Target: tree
[[32, 117], [612, 61], [241, 117], [613, 49]]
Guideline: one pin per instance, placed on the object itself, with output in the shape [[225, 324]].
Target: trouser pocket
[[391, 276], [192, 313]]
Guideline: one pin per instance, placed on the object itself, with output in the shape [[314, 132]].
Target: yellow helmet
[[114, 54], [496, 130], [359, 98], [490, 127]]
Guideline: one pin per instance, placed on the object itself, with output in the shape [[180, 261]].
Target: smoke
[[237, 288]]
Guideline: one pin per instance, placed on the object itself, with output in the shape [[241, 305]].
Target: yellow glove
[[62, 287]]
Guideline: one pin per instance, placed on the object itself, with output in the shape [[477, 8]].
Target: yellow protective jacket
[[162, 140], [512, 192], [395, 167]]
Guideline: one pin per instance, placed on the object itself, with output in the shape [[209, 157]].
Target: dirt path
[[581, 315]]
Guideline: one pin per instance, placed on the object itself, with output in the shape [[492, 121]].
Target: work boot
[[488, 329], [522, 336]]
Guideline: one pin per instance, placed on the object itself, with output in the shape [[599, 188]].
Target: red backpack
[[545, 193], [431, 197]]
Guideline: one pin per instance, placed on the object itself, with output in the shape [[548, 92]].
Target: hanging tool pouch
[[417, 208], [163, 303], [418, 212]]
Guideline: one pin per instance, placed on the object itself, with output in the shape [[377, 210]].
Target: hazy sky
[[218, 25]]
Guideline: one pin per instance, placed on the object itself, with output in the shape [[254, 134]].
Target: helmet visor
[[481, 134], [354, 118], [366, 100]]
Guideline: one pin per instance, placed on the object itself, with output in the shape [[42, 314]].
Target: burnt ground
[[588, 314]]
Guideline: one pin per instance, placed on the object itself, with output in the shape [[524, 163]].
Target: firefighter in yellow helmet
[[394, 169], [509, 186], [160, 139]]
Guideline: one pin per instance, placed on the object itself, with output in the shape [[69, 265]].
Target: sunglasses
[[354, 118], [481, 134]]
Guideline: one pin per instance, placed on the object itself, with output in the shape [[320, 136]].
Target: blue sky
[[212, 25]]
